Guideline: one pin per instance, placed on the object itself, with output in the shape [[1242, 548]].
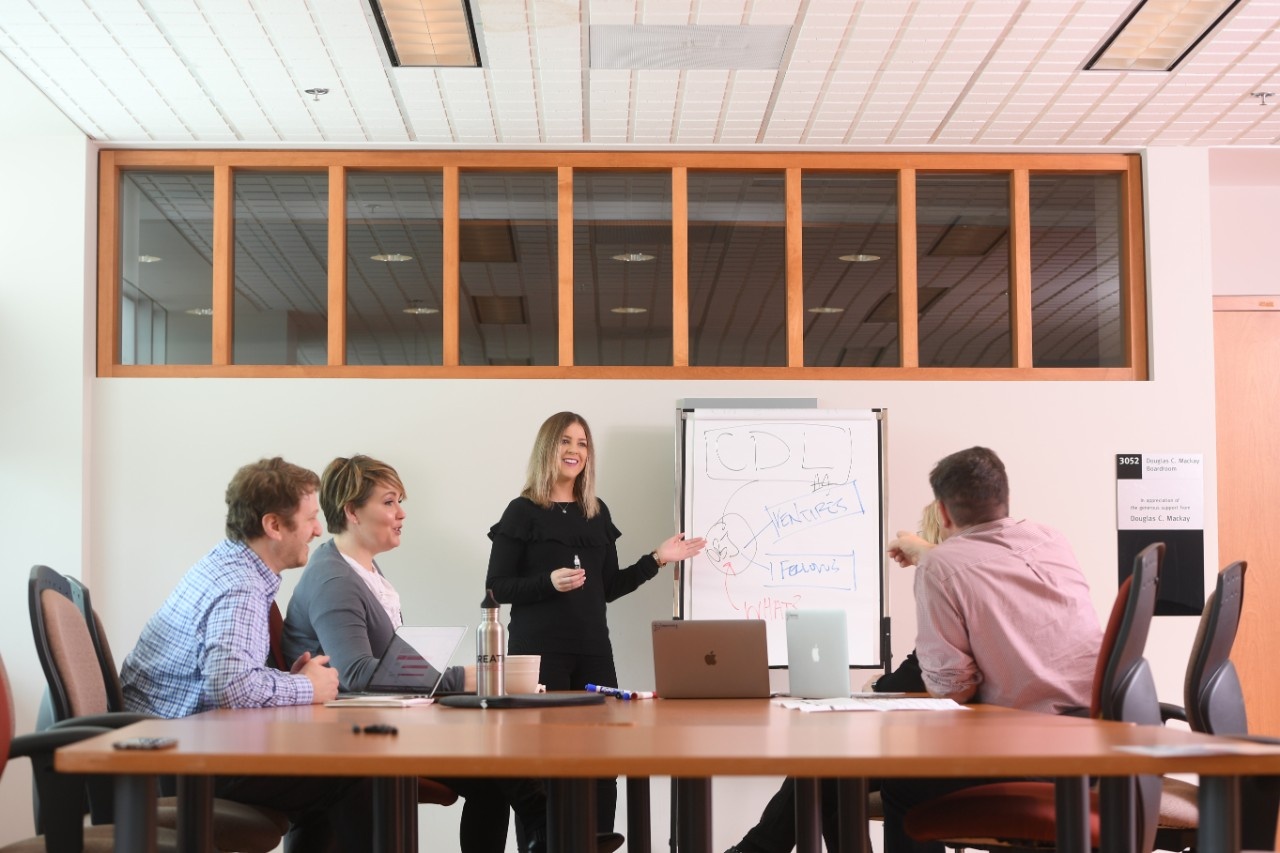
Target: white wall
[[1245, 199], [44, 349], [159, 452]]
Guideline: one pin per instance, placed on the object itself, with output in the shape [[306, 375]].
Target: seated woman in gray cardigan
[[343, 603], [345, 607]]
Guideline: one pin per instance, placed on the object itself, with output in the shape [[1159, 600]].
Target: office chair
[[1213, 703], [1211, 693], [1022, 814], [84, 689], [64, 794], [1208, 690], [275, 631]]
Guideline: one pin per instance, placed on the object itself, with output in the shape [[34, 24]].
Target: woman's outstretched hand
[[908, 548], [677, 548]]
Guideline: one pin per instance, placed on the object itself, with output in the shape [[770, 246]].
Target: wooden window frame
[[338, 164]]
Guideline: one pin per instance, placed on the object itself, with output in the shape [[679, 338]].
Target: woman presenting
[[555, 560], [346, 608]]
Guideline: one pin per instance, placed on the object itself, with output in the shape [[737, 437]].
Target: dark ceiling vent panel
[[486, 241], [886, 310], [499, 310], [968, 240]]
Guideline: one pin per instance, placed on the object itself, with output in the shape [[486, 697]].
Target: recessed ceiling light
[[633, 257], [200, 312], [149, 259], [1159, 34], [393, 258], [427, 32], [416, 307], [859, 258], [825, 309], [627, 309]]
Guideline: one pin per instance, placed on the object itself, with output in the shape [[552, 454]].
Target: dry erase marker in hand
[[577, 564]]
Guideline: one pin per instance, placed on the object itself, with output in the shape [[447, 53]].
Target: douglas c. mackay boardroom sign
[[1160, 498]]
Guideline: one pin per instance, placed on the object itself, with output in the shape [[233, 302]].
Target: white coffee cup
[[521, 673]]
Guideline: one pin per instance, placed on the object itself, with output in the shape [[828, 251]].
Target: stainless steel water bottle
[[491, 645]]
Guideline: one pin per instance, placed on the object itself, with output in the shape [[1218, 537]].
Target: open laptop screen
[[415, 660]]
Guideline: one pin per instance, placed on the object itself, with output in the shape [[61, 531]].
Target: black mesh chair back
[[1212, 696]]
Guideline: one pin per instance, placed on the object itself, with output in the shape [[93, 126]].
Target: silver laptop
[[414, 661], [710, 659], [817, 654]]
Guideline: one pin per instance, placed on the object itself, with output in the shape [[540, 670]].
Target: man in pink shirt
[[1003, 615]]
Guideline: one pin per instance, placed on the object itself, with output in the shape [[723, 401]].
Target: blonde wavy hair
[[544, 465], [931, 523]]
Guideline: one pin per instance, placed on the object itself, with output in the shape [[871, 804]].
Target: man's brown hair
[[262, 488]]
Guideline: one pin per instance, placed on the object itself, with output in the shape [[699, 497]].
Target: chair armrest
[[44, 743], [100, 788], [1172, 712], [1255, 738], [97, 788], [63, 797], [111, 720]]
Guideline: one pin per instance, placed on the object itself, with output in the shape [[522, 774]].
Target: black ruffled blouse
[[529, 542]]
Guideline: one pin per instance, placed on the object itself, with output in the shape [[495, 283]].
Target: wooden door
[[1247, 351]]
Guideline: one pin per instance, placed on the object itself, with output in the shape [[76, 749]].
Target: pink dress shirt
[[1004, 606]]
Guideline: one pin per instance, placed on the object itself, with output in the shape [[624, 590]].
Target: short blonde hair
[[349, 483]]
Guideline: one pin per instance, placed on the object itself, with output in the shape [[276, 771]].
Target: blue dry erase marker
[[606, 691]]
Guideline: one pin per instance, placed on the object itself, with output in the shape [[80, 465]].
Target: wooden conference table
[[688, 740]]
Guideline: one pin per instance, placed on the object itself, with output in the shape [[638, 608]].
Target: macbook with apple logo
[[817, 654], [710, 659]]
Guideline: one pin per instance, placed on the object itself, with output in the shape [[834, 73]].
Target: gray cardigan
[[333, 612]]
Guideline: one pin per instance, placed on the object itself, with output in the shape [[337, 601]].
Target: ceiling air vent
[[486, 241], [676, 47], [499, 310], [886, 310], [968, 239]]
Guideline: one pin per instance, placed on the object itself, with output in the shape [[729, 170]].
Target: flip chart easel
[[791, 504]]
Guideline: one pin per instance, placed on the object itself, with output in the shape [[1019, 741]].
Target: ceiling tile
[[875, 72]]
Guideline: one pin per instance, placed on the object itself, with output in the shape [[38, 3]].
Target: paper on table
[[864, 703], [1222, 748], [387, 700]]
